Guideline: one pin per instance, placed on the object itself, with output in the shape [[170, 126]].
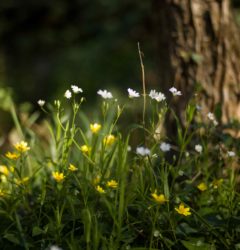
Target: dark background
[[45, 46]]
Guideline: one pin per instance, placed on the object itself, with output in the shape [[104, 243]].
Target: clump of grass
[[95, 186]]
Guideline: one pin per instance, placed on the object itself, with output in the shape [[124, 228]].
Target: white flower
[[198, 148], [156, 233], [41, 103], [198, 107], [165, 146], [175, 92], [129, 148], [55, 248], [158, 96], [68, 94], [142, 151], [76, 89], [231, 153], [212, 118], [105, 94], [132, 93]]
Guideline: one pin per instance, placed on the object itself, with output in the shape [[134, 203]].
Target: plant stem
[[143, 83]]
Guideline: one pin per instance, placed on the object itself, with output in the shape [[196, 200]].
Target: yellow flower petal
[[95, 128]]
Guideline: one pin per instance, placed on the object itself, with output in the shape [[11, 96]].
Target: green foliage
[[85, 189]]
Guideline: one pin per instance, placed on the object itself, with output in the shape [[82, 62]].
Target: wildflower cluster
[[120, 186]]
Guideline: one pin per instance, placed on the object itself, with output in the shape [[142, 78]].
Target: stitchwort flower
[[198, 148], [132, 93], [158, 96], [142, 151], [105, 94], [175, 92], [165, 147], [68, 94], [76, 89], [41, 103]]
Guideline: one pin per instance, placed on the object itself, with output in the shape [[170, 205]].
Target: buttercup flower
[[22, 146], [161, 199], [1, 193], [105, 94], [41, 103], [96, 180], [165, 146], [217, 183], [198, 148], [100, 189], [109, 140], [58, 177], [202, 186], [68, 94], [158, 96], [72, 168], [76, 89], [183, 210], [22, 181], [175, 92], [12, 156], [4, 170], [85, 149], [95, 128], [132, 93], [112, 184], [142, 151]]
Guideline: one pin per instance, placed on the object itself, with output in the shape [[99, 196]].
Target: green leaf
[[12, 238], [197, 245], [36, 231]]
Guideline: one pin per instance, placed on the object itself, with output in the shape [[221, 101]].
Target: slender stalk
[[143, 84]]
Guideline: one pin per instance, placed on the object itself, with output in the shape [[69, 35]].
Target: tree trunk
[[199, 45]]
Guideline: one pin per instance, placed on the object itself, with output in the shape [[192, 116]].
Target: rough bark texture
[[199, 43]]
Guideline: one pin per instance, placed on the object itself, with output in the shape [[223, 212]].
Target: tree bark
[[199, 45]]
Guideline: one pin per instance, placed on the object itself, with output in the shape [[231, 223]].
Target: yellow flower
[[58, 177], [159, 198], [22, 181], [85, 149], [183, 210], [96, 180], [4, 170], [12, 156], [109, 139], [217, 183], [1, 193], [100, 189], [72, 168], [22, 146], [112, 184], [202, 186], [95, 128]]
